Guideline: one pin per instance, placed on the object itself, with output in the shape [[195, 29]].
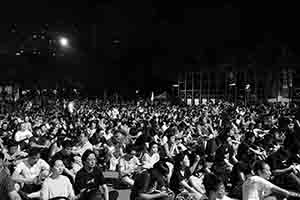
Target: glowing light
[[247, 87], [64, 42]]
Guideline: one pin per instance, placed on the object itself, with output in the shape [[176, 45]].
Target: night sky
[[136, 44]]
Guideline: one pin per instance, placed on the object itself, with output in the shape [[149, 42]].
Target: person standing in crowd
[[7, 188], [257, 187], [89, 181]]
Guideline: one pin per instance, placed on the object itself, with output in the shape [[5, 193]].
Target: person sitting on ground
[[152, 184], [68, 159], [128, 167], [13, 155], [83, 144], [215, 188], [151, 157], [257, 187], [57, 185], [89, 181], [27, 172], [7, 189], [182, 181]]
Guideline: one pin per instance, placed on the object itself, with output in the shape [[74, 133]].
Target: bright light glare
[[64, 42], [247, 87]]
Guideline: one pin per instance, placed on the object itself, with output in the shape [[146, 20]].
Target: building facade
[[251, 83]]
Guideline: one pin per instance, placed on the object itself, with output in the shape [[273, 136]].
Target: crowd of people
[[218, 150]]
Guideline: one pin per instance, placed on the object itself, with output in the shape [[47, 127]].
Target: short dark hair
[[179, 158], [211, 182], [66, 144], [86, 154], [52, 162], [1, 155], [11, 143], [161, 167], [258, 165], [34, 152]]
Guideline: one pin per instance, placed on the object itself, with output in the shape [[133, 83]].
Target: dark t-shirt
[[243, 151], [94, 140], [88, 180], [146, 183], [176, 178], [279, 160], [6, 184], [240, 167], [142, 184]]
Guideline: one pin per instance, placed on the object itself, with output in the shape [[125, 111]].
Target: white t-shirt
[[81, 149], [27, 171], [225, 198], [256, 188], [22, 135], [149, 161], [59, 187]]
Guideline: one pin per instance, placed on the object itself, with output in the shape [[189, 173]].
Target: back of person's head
[[221, 152], [33, 152], [249, 135], [67, 144], [161, 167], [11, 143], [212, 182], [258, 166]]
